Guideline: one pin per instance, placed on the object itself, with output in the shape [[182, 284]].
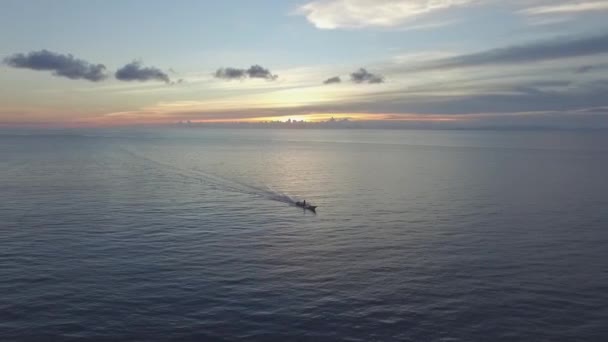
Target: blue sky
[[462, 62]]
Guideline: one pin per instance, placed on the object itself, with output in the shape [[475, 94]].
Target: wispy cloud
[[596, 68], [531, 52], [429, 14], [254, 71], [335, 14], [583, 105], [583, 69], [568, 7], [135, 71], [62, 65]]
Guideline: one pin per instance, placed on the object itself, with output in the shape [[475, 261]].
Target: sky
[[458, 63]]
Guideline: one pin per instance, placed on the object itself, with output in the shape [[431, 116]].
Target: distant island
[[289, 123]]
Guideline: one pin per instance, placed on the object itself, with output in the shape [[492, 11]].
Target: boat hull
[[312, 208]]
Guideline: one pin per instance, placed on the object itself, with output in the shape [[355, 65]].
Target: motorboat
[[307, 206]]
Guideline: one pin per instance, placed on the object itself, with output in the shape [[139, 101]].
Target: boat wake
[[217, 182]]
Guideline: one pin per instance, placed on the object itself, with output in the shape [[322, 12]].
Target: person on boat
[[304, 203]]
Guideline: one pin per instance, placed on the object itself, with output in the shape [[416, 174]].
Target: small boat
[[303, 205]]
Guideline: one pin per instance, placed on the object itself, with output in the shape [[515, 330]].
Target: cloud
[[364, 76], [569, 7], [61, 65], [584, 69], [584, 105], [335, 14], [333, 80], [533, 52], [134, 71], [255, 71], [230, 73], [357, 14], [521, 98]]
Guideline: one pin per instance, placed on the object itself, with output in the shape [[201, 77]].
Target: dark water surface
[[192, 235]]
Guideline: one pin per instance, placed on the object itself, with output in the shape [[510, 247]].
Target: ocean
[[191, 234]]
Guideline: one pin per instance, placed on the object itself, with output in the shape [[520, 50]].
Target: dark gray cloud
[[255, 71], [364, 76], [538, 51], [333, 80], [230, 73], [61, 65], [134, 71]]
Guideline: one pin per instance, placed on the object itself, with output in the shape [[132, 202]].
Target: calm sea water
[[192, 235]]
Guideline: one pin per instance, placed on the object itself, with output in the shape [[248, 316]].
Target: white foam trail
[[221, 183]]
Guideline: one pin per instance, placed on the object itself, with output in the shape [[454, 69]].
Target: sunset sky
[[483, 62]]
